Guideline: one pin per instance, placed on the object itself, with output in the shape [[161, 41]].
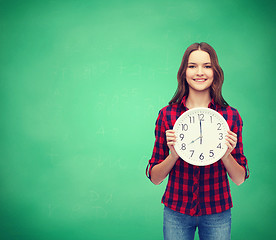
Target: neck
[[198, 99]]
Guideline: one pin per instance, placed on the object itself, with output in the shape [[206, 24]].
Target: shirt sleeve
[[238, 153], [160, 150]]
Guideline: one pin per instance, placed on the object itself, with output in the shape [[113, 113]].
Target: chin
[[201, 88]]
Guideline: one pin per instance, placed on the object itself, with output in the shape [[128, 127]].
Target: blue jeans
[[210, 227]]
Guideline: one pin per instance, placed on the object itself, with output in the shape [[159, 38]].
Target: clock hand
[[200, 131], [195, 140]]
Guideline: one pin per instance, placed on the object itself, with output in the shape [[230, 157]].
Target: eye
[[191, 66], [208, 66]]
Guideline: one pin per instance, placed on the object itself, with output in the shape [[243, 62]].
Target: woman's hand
[[231, 142], [171, 139]]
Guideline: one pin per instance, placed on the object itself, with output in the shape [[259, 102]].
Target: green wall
[[81, 86]]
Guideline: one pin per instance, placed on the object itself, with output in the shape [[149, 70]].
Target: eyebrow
[[196, 63]]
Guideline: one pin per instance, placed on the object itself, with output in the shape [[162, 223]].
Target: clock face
[[200, 136]]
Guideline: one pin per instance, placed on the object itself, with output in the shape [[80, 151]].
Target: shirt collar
[[211, 105], [183, 101]]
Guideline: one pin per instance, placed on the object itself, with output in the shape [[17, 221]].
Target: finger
[[170, 143], [231, 143], [232, 138], [171, 139], [170, 135], [229, 148], [232, 134], [170, 131]]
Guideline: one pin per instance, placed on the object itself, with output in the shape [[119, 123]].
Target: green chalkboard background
[[81, 85]]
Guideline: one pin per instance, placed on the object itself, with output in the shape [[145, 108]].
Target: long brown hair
[[183, 88]]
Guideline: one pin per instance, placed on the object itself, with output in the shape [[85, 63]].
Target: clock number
[[211, 154], [201, 117], [192, 119], [211, 118], [220, 136], [181, 136], [192, 152], [184, 127], [219, 126], [201, 157], [219, 146], [183, 146]]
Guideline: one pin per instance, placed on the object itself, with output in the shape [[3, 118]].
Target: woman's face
[[199, 73]]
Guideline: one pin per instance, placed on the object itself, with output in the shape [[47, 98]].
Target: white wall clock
[[200, 136]]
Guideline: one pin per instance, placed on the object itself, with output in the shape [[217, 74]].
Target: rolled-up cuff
[[247, 172], [149, 168]]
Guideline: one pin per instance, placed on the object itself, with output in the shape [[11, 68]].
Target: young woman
[[197, 197]]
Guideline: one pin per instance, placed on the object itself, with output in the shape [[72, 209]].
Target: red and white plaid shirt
[[191, 189]]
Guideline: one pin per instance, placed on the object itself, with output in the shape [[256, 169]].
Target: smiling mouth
[[200, 80]]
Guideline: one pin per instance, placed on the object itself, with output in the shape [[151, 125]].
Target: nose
[[199, 71]]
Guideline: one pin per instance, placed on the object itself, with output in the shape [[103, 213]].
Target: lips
[[200, 79]]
